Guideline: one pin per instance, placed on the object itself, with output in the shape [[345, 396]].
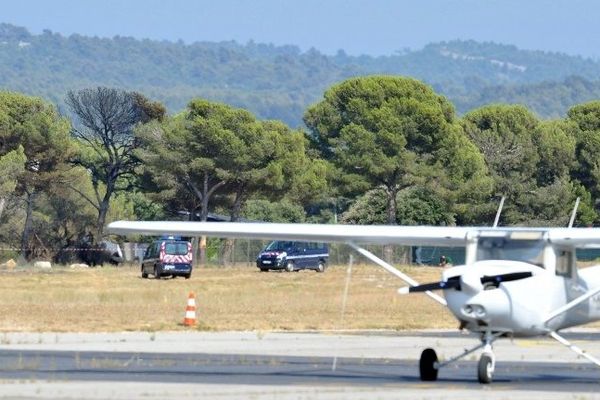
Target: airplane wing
[[368, 234], [575, 237]]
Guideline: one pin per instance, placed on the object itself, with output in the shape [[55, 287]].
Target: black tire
[[427, 365], [321, 267], [144, 274], [187, 276], [289, 267], [156, 272], [264, 270], [484, 369]]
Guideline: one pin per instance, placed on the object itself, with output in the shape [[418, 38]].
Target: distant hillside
[[280, 81]]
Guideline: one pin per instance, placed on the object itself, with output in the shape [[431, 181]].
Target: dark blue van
[[293, 256]]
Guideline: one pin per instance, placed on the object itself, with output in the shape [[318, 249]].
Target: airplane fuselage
[[520, 307]]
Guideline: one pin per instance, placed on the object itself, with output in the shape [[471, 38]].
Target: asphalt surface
[[283, 365]]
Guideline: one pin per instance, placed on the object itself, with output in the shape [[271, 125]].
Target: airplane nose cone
[[470, 282]]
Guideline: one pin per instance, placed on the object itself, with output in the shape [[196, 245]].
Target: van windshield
[[279, 246], [176, 249]]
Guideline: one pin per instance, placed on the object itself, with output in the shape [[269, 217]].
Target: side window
[[148, 252], [317, 246], [564, 263], [287, 246]]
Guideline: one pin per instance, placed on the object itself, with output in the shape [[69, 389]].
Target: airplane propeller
[[455, 282]]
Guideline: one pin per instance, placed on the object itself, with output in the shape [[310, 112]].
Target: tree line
[[280, 82], [377, 150]]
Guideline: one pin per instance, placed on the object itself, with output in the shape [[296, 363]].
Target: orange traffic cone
[[190, 311]]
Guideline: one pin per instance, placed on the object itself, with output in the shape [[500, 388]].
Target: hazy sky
[[359, 27]]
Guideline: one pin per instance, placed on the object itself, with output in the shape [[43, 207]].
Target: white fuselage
[[521, 307]]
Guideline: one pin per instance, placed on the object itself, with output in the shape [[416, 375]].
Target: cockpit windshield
[[503, 248]]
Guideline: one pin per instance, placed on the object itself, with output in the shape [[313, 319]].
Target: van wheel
[[144, 274], [289, 267], [321, 267], [187, 276], [156, 272]]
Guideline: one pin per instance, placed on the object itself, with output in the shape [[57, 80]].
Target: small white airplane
[[516, 282]]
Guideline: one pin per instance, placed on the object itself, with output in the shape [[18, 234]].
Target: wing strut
[[394, 271], [571, 304], [497, 219], [574, 213], [574, 348]]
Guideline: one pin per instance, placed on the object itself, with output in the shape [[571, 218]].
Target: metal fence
[[245, 252]]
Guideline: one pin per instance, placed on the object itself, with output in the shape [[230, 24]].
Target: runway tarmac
[[284, 366]]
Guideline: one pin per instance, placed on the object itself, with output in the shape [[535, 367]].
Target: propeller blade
[[452, 283], [515, 276]]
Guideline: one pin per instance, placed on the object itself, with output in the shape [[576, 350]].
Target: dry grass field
[[236, 298]]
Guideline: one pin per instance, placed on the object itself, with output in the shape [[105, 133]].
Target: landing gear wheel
[[485, 369], [427, 365], [321, 267], [289, 267]]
